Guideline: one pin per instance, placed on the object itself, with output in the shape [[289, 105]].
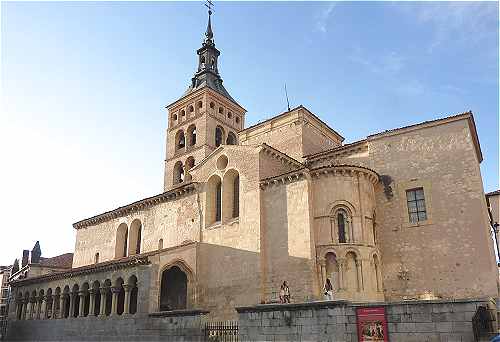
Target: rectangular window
[[416, 205]]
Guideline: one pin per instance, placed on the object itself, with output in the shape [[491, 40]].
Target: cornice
[[84, 270], [283, 157], [340, 170], [136, 206], [336, 152]]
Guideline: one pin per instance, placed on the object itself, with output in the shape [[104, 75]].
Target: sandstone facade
[[399, 215]]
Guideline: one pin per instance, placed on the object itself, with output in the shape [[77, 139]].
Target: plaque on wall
[[372, 324]]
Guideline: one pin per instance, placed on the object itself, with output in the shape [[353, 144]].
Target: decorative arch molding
[[183, 295], [353, 250], [334, 206], [182, 264]]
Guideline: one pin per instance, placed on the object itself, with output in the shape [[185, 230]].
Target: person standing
[[286, 292], [328, 289]]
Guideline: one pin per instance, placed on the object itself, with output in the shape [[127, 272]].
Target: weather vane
[[209, 4]]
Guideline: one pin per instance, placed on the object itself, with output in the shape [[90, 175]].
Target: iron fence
[[226, 331]]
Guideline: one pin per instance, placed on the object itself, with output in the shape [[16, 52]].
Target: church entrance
[[173, 295]]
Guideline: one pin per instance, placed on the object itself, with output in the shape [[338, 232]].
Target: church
[[398, 216]]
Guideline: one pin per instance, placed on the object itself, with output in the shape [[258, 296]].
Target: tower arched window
[[231, 139], [180, 140], [191, 132], [202, 62], [178, 172], [219, 136]]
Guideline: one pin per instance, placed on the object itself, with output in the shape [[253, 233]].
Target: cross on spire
[[209, 34]]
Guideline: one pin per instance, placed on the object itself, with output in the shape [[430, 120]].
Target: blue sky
[[84, 87]]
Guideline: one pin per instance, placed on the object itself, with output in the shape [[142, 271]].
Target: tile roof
[[493, 193], [61, 261]]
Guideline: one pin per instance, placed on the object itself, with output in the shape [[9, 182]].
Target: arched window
[[189, 163], [97, 298], [219, 136], [109, 297], [214, 200], [213, 63], [178, 172], [160, 244], [352, 280], [134, 292], [76, 300], [212, 105], [180, 140], [191, 109], [231, 139], [202, 62], [121, 241], [191, 133], [341, 224], [120, 304], [86, 299], [96, 258], [231, 194], [173, 292], [221, 110], [135, 238], [183, 113]]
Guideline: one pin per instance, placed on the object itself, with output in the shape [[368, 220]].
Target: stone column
[[41, 311], [91, 302], [54, 301], [360, 275], [341, 273], [102, 311], [81, 306], [62, 300], [322, 266], [114, 300], [47, 306], [30, 308], [23, 308], [126, 305]]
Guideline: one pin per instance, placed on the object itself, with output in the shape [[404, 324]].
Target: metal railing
[[225, 331]]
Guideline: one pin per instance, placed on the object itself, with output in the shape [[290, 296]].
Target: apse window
[[415, 200]]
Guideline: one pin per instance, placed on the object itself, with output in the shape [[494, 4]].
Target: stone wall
[[187, 326], [415, 321]]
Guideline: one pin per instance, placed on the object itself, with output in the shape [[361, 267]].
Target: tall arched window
[[231, 195], [219, 136], [178, 172], [231, 139], [189, 163], [121, 241], [180, 140], [135, 237], [96, 258], [341, 225], [191, 132], [214, 200], [160, 244]]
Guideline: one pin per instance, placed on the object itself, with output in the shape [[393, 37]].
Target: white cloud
[[390, 62], [323, 17], [464, 22]]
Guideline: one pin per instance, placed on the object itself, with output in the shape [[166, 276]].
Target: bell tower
[[203, 118]]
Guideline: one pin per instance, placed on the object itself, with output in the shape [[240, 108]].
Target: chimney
[[26, 255]]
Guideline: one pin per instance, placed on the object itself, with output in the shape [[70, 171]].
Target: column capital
[[82, 293], [358, 262], [127, 287], [92, 292], [103, 290], [116, 289]]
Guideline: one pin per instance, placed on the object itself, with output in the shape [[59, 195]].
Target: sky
[[84, 86]]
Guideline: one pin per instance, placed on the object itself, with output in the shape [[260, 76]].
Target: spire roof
[[207, 74]]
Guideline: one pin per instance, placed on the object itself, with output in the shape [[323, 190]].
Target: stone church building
[[399, 215]]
